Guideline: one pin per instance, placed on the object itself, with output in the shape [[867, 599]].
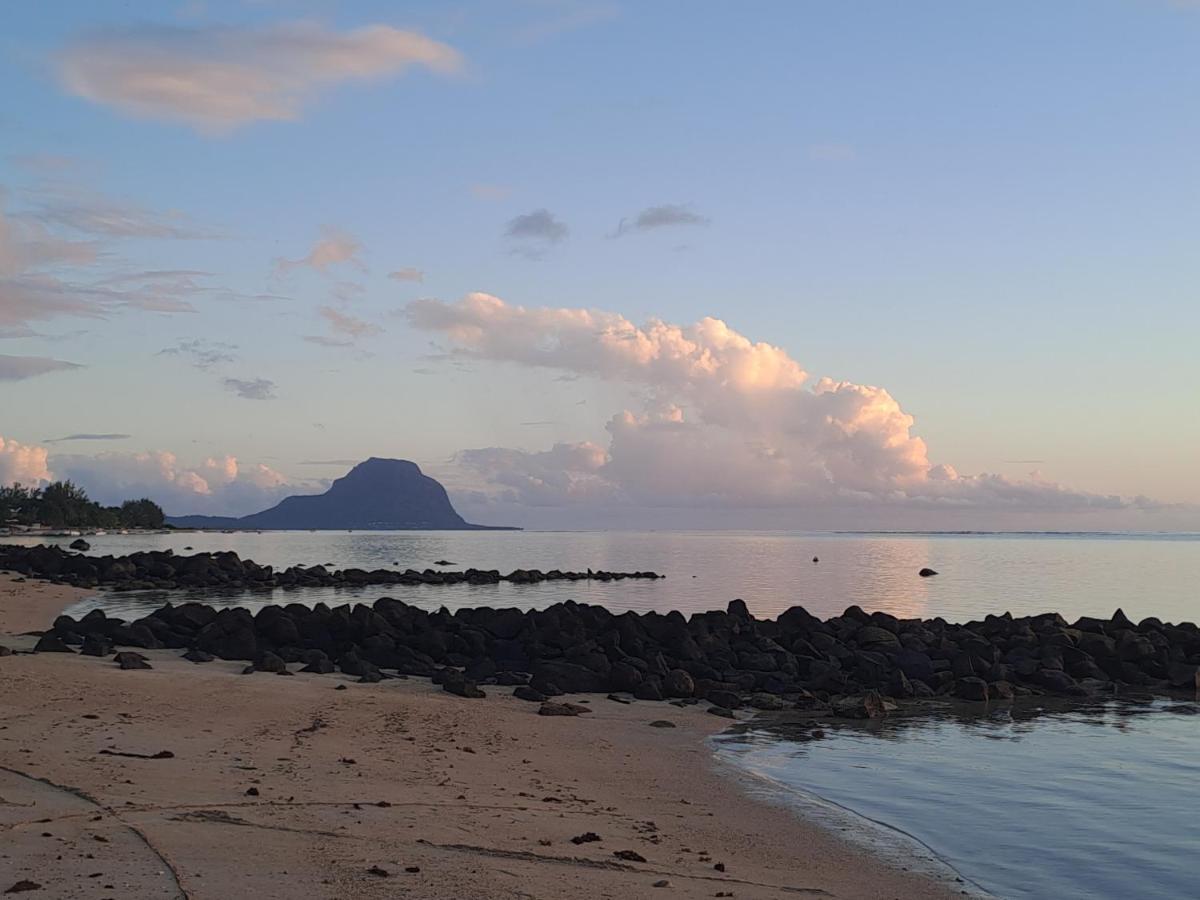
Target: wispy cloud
[[344, 328], [334, 247], [90, 213], [217, 78], [653, 217], [18, 368], [251, 389], [203, 354], [47, 272], [408, 273], [88, 436]]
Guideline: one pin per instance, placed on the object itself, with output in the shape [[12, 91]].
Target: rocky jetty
[[847, 665], [164, 570]]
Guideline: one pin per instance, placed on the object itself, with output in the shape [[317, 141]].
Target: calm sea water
[[1097, 802], [1076, 575]]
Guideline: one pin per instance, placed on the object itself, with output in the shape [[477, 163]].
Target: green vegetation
[[64, 505]]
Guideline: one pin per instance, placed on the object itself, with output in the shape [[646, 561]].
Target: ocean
[[1032, 801]]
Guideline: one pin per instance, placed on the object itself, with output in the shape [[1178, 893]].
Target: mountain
[[379, 495]]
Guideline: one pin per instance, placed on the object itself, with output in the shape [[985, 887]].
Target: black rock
[[96, 645], [649, 689], [79, 544], [198, 656], [49, 643], [678, 683], [925, 573], [269, 662], [971, 688], [127, 659], [321, 666]]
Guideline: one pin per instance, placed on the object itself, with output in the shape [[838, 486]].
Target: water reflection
[[1005, 721], [1028, 800]]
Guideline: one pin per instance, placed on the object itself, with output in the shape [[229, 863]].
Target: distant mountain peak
[[378, 494]]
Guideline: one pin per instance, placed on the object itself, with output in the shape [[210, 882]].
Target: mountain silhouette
[[377, 495]]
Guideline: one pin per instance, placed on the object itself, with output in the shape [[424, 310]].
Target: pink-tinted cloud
[[344, 329], [217, 78], [222, 485], [334, 247], [728, 422], [22, 463]]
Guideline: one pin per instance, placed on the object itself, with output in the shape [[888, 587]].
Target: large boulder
[[971, 689], [678, 683]]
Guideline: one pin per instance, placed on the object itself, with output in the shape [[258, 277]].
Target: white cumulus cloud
[[22, 463], [727, 422]]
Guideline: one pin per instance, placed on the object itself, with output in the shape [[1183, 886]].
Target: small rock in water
[[662, 723], [80, 544], [662, 883], [925, 573], [378, 871], [443, 562], [24, 885], [816, 559]]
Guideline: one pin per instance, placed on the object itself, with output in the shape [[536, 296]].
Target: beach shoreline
[[285, 787]]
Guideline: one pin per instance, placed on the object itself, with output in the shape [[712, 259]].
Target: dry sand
[[291, 788]]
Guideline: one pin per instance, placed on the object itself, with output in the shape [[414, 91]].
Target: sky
[[605, 264]]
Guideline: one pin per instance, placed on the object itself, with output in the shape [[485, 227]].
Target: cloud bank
[[727, 422], [220, 485], [217, 78]]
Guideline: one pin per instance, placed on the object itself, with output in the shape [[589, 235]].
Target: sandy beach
[[293, 787]]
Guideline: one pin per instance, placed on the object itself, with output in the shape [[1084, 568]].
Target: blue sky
[[990, 210]]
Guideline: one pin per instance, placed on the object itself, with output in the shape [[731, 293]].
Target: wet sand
[[289, 787]]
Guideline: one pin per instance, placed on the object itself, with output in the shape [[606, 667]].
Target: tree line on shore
[[66, 505]]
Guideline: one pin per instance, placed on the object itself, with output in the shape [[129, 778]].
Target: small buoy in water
[[925, 573], [816, 560]]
